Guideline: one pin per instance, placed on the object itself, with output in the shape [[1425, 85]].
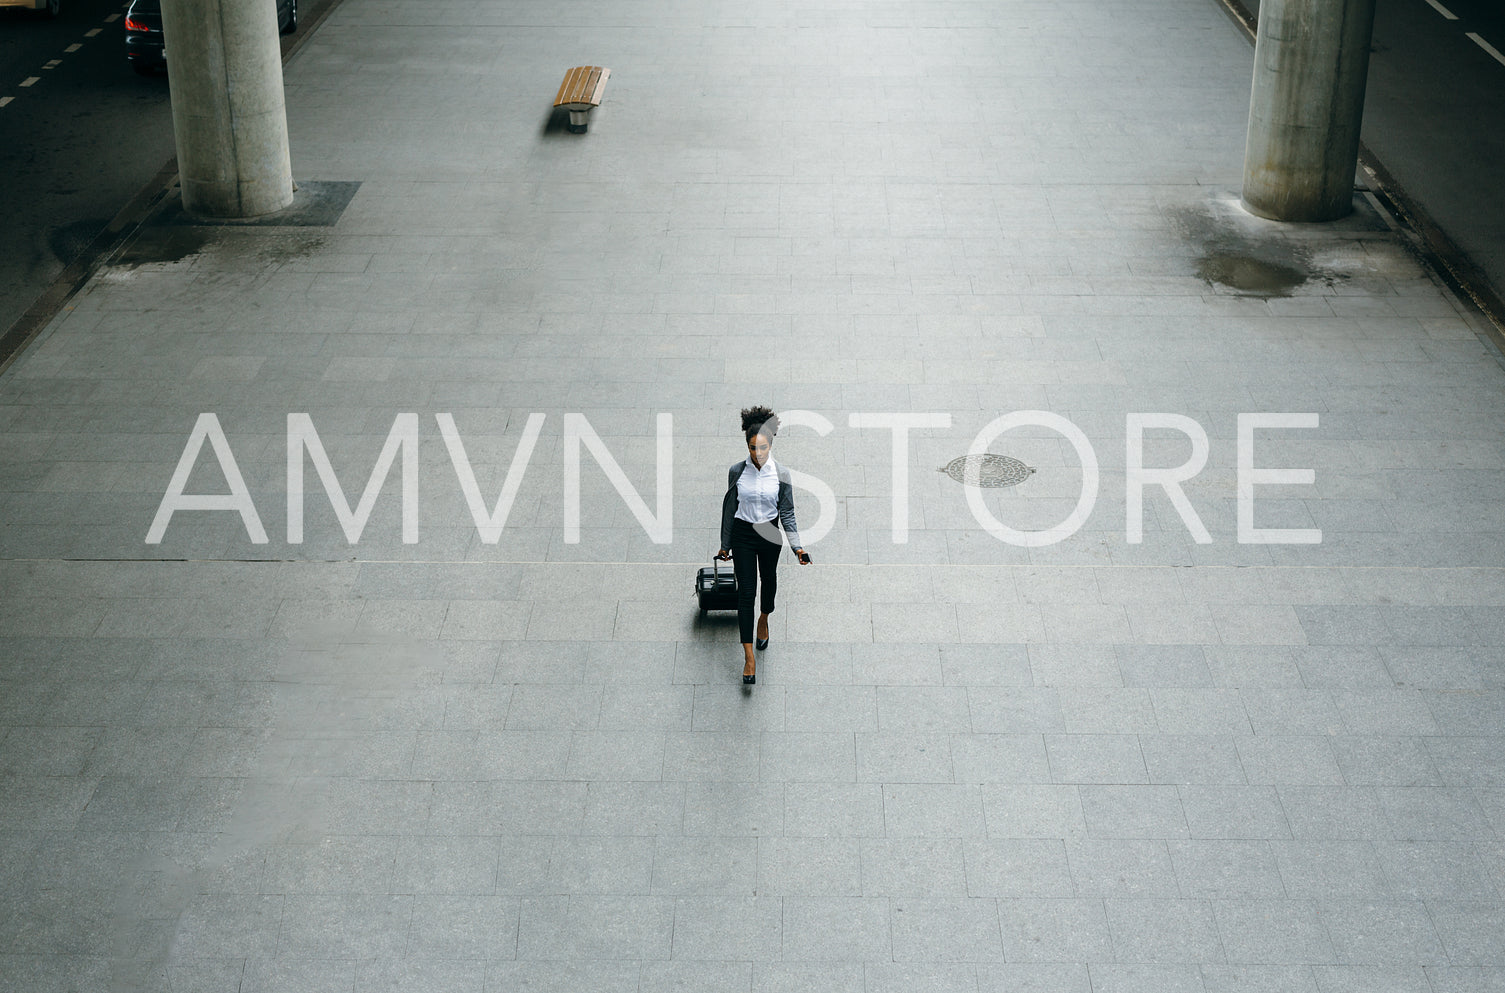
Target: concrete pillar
[[1311, 59], [224, 69]]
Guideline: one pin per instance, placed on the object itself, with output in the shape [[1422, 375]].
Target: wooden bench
[[580, 91]]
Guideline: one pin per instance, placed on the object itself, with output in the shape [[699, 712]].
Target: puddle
[[1241, 271]]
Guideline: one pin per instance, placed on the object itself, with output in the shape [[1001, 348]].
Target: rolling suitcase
[[715, 588]]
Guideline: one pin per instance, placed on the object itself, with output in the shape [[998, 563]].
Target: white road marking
[[29, 80], [1492, 50], [92, 32], [73, 47], [5, 100], [112, 18], [1443, 10], [53, 63]]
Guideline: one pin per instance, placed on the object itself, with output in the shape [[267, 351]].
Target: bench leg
[[578, 120]]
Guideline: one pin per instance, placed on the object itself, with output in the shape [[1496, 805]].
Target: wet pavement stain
[[163, 244], [1247, 255], [1238, 270]]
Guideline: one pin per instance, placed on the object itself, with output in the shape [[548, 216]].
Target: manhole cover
[[987, 470]]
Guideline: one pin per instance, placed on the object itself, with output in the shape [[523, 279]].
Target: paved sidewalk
[[967, 765]]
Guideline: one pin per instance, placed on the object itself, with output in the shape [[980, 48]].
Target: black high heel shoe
[[761, 643], [749, 678]]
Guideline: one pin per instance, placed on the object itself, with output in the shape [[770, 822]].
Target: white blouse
[[758, 493]]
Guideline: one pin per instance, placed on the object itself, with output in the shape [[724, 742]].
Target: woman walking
[[758, 493]]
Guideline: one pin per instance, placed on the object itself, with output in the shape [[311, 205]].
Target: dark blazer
[[785, 504]]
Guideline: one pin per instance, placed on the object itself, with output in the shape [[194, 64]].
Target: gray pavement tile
[[463, 927], [892, 977], [600, 865], [1033, 977], [634, 808], [1054, 930], [1095, 758], [898, 664], [1127, 869], [922, 709], [827, 756], [1465, 979], [1034, 811], [1226, 869], [334, 865], [1381, 979], [1385, 761], [1192, 758], [1022, 867], [707, 865], [725, 927], [1163, 931], [1234, 812], [913, 868], [1334, 811], [999, 758], [716, 710], [984, 665], [1428, 814], [794, 866], [923, 810], [904, 758], [1015, 709], [1331, 870], [344, 926], [1129, 978], [808, 977], [1273, 932], [1133, 812], [832, 708], [1391, 933], [1348, 667], [421, 973], [1437, 870], [711, 756], [709, 976], [616, 755], [961, 929], [1088, 664], [1470, 932], [825, 929], [1106, 710], [746, 808], [1295, 760], [1163, 666], [595, 927], [505, 754]]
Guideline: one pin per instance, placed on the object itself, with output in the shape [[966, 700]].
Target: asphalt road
[[75, 144], [1435, 116]]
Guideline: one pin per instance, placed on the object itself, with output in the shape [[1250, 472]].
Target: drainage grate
[[987, 470]]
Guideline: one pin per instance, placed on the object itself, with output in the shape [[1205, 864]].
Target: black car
[[143, 32]]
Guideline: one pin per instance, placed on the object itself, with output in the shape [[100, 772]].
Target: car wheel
[[292, 17]]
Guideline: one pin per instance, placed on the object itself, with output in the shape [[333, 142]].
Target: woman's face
[[757, 449]]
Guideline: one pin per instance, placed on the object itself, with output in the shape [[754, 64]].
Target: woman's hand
[[723, 555], [802, 556]]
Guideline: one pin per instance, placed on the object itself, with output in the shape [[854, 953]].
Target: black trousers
[[752, 556]]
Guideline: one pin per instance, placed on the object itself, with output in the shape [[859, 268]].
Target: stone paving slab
[[967, 765]]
